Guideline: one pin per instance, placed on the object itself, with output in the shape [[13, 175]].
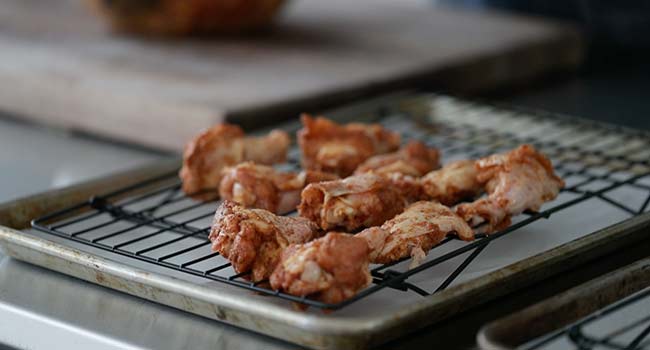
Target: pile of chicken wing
[[361, 199]]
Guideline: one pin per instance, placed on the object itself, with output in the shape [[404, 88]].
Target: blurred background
[[609, 84], [89, 88], [139, 78]]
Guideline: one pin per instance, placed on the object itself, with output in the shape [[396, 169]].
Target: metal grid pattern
[[624, 325], [146, 225]]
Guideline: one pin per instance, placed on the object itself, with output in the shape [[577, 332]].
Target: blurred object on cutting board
[[184, 17], [61, 66]]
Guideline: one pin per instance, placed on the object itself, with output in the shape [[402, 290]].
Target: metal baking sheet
[[546, 247], [610, 312]]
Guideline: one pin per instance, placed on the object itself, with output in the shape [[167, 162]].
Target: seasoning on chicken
[[225, 145], [253, 239], [259, 186], [340, 149], [414, 232], [330, 269], [453, 183], [409, 187], [414, 159], [522, 179], [354, 202]]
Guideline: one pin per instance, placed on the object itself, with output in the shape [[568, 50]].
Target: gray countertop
[[34, 159]]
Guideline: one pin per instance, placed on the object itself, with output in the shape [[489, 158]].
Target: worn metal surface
[[564, 309], [334, 331], [69, 313]]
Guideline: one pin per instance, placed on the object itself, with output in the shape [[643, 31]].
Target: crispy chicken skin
[[522, 179], [224, 145], [414, 232], [404, 168], [253, 239], [409, 187], [340, 149], [352, 203], [453, 183], [330, 269], [414, 159], [259, 186]]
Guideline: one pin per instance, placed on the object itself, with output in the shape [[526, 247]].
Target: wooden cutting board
[[59, 64]]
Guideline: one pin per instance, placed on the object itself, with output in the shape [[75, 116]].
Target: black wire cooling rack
[[624, 325], [140, 222]]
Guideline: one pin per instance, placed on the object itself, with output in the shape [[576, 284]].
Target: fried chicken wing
[[224, 145], [453, 183], [339, 149], [414, 159], [259, 186], [253, 239], [330, 269], [414, 232], [522, 179], [355, 202]]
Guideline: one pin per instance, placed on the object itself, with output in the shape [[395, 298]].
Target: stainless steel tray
[[610, 312], [602, 223]]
